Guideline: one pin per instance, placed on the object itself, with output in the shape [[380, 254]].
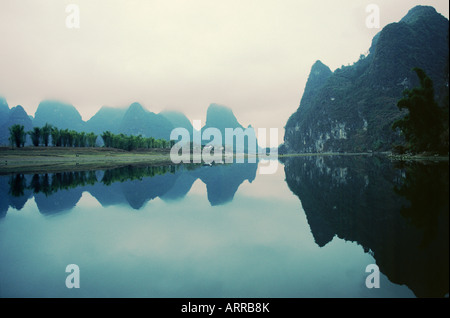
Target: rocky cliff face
[[353, 108]]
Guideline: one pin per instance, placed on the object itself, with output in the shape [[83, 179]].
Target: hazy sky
[[253, 56]]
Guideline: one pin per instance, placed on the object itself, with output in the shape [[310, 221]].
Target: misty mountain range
[[349, 110], [134, 120]]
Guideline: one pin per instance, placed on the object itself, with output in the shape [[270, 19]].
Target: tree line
[[125, 142], [71, 138]]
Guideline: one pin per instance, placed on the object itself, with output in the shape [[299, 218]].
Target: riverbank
[[418, 157], [51, 159], [393, 157], [315, 154], [56, 159]]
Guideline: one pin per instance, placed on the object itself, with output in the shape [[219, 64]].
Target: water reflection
[[135, 186], [398, 213], [425, 186]]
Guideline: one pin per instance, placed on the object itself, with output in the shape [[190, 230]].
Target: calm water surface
[[309, 230]]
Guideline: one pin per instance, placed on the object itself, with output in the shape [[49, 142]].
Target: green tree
[[64, 137], [422, 126], [149, 142], [56, 136], [91, 139], [45, 134], [35, 135], [107, 138], [140, 142], [82, 139], [17, 135], [76, 138], [71, 138]]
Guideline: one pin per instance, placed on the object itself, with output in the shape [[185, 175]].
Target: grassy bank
[[49, 159]]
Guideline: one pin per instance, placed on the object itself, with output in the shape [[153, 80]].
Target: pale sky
[[253, 56]]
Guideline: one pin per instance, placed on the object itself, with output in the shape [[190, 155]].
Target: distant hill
[[222, 117], [139, 121], [58, 114], [107, 118], [353, 108], [16, 115], [4, 110], [178, 119], [134, 120]]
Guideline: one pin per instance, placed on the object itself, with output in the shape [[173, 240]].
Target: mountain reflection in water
[[397, 212], [130, 185]]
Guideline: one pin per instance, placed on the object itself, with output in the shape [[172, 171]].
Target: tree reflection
[[135, 185], [17, 185], [51, 183], [135, 173], [426, 188]]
